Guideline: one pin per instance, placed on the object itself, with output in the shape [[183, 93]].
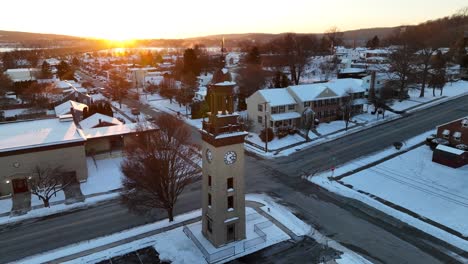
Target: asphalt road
[[376, 236]]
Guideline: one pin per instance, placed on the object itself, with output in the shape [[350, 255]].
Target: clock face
[[230, 157], [209, 155]]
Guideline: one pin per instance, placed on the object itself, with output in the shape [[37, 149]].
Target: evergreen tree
[[46, 73]]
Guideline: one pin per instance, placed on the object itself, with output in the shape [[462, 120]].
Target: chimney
[[100, 121]]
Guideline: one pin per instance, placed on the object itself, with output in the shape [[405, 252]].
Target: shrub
[[270, 135]]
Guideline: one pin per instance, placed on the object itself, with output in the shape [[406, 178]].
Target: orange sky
[[123, 19]]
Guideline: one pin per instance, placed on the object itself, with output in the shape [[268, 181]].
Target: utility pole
[[266, 126]]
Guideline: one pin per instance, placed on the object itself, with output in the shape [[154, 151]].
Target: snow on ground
[[127, 110], [273, 233], [103, 175], [427, 176], [281, 213], [349, 258], [165, 105], [276, 143], [450, 90], [328, 128], [184, 245], [175, 246], [363, 161], [432, 190]]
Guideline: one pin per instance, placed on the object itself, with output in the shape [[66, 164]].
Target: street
[[378, 237]]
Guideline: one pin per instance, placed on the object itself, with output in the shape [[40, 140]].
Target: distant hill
[[358, 35], [17, 36]]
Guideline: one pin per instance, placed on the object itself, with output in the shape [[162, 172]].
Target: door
[[20, 185], [231, 233]]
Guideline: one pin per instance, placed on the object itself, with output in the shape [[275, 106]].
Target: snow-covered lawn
[[450, 90], [276, 143], [410, 180], [432, 190], [103, 175], [165, 105]]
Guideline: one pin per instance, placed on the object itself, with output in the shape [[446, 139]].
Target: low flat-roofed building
[[46, 142], [23, 74]]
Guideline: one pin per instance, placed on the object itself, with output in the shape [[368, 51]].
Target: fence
[[222, 254], [262, 236]]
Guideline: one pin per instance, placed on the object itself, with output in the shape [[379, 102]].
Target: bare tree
[[48, 181], [438, 74], [334, 36], [346, 107], [119, 86], [401, 65], [383, 99], [158, 165], [307, 121]]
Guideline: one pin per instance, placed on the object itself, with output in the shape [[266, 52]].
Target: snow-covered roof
[[93, 121], [226, 83], [352, 70], [98, 132], [285, 116], [276, 97], [336, 88], [37, 133], [63, 85], [64, 108], [450, 149]]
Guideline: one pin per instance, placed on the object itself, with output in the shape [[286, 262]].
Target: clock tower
[[223, 201]]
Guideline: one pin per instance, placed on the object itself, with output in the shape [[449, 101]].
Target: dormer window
[[457, 136]]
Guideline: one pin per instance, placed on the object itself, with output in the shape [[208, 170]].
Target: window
[[259, 119], [274, 110], [319, 103], [209, 199], [230, 202], [325, 113], [209, 224], [457, 136], [260, 108], [282, 109], [230, 183], [315, 103], [291, 107], [306, 104], [271, 123], [319, 115], [209, 180]]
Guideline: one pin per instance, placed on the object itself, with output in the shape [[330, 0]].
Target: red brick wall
[[454, 126]]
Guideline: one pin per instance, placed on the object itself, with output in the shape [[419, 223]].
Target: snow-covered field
[[431, 190]]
